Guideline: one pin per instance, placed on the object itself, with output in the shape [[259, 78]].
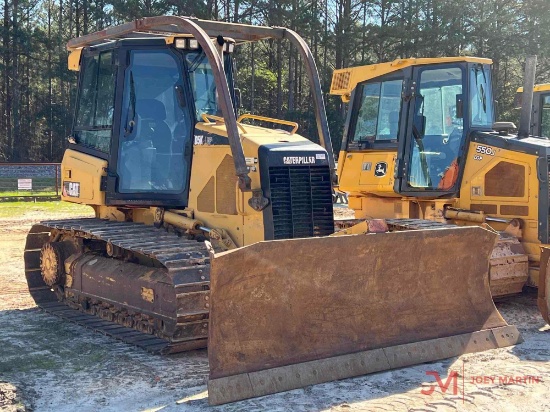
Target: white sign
[[24, 184]]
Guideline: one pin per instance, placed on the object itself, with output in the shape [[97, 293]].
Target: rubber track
[[187, 262]]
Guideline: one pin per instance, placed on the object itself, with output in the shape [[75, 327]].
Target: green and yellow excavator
[[420, 142], [211, 230]]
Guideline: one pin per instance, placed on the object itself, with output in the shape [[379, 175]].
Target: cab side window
[[378, 114], [94, 114], [545, 120]]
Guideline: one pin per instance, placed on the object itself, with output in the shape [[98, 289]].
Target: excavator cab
[[409, 122]]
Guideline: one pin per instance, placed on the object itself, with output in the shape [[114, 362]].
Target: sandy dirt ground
[[50, 365]]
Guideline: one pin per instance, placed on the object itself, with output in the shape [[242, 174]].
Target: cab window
[[437, 129], [378, 113], [94, 115], [481, 99], [545, 120], [155, 125], [203, 84]]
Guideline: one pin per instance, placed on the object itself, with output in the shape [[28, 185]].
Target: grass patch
[[20, 209], [31, 193], [30, 362]]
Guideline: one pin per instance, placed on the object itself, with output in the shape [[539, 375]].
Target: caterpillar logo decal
[[71, 189], [299, 160]]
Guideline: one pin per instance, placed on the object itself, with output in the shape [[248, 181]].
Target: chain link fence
[[30, 181]]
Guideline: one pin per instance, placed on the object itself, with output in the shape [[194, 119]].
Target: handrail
[[269, 119], [206, 117], [218, 119]]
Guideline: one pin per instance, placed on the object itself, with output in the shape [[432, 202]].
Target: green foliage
[[38, 92]]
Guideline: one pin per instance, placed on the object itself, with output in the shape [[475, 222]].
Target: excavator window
[[545, 120], [436, 143], [94, 116], [378, 114], [155, 126]]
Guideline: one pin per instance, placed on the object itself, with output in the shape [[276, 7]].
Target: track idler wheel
[[51, 264], [52, 259]]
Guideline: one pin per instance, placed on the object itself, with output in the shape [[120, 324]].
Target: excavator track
[[169, 258]]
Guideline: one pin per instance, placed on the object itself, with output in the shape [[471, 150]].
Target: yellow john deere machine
[[211, 229], [540, 120], [419, 143]]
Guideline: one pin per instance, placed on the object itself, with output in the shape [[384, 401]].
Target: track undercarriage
[[135, 282]]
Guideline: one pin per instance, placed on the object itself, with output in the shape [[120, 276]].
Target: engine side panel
[[503, 183], [81, 178]]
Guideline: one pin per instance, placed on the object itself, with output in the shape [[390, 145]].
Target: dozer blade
[[291, 313]]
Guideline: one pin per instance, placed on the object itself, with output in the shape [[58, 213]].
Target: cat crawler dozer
[[209, 229], [420, 143]]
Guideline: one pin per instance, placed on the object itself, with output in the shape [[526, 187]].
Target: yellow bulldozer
[[209, 230], [420, 142], [540, 120]]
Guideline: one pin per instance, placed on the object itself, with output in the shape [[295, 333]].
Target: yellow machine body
[[500, 176]]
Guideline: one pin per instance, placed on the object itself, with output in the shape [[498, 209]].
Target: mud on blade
[[286, 314]]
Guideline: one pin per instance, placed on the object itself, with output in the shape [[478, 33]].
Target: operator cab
[[540, 119], [137, 106], [425, 110]]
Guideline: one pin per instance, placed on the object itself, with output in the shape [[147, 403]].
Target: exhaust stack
[[527, 98]]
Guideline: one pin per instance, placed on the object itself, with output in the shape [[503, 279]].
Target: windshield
[[481, 97], [203, 84], [378, 114], [437, 129]]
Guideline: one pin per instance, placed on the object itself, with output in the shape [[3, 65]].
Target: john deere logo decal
[[380, 169]]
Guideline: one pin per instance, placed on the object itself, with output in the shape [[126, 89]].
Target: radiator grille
[[340, 81], [301, 200]]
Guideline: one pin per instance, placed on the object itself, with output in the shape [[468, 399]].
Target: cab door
[[429, 154], [151, 155]]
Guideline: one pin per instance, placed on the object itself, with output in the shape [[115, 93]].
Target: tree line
[[38, 92]]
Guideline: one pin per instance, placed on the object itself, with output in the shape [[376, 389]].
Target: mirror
[[459, 106]]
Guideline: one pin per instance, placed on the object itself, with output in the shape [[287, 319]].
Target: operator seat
[[153, 126]]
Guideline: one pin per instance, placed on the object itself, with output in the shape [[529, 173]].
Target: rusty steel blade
[[363, 302]]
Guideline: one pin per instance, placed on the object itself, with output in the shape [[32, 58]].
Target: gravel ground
[[50, 365]]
